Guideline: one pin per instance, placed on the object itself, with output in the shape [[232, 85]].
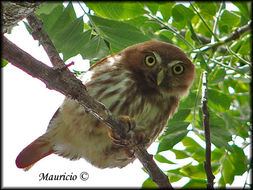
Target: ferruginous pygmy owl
[[142, 85]]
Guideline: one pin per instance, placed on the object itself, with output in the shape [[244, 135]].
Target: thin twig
[[217, 19], [237, 56], [171, 29], [204, 22], [235, 35], [207, 165]]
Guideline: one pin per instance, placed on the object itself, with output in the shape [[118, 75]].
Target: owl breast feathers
[[144, 81]]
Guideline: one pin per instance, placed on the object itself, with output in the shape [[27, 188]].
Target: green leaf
[[66, 31], [117, 10], [217, 75], [174, 178], [180, 154], [218, 101], [162, 159], [68, 40], [166, 10], [203, 63], [237, 85], [195, 172], [50, 21], [234, 164], [4, 63], [148, 183], [170, 140], [193, 183], [119, 34], [181, 15], [239, 160], [221, 182], [96, 48], [196, 151], [215, 167], [220, 135], [210, 8], [216, 120], [239, 127], [244, 8], [175, 172], [246, 46], [228, 170], [152, 6], [181, 115], [174, 127], [78, 44], [47, 8], [60, 18], [190, 143], [217, 154], [228, 20], [137, 21], [189, 101]]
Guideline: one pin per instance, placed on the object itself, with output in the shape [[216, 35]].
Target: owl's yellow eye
[[150, 60], [178, 69]]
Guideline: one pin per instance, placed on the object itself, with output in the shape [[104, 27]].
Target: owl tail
[[35, 151]]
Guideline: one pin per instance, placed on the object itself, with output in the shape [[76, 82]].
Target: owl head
[[159, 67]]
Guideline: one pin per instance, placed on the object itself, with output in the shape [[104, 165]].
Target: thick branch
[[208, 167], [65, 82]]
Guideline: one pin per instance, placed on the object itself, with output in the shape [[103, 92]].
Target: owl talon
[[133, 137], [116, 139], [140, 138], [129, 153], [128, 121]]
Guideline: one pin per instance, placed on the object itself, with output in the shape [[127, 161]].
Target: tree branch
[[40, 34], [14, 11], [62, 80], [207, 165], [235, 35], [154, 171]]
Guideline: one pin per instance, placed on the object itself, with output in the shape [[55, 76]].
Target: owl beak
[[160, 77]]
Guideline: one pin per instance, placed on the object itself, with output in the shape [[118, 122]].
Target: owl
[[141, 85]]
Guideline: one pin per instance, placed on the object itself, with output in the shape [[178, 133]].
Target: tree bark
[[13, 12]]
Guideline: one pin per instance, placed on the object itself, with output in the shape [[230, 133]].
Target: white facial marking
[[158, 58], [171, 64]]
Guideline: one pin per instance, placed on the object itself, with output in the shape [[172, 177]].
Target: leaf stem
[[204, 22], [237, 56], [172, 30], [217, 20]]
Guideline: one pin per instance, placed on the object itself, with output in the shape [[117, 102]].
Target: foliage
[[110, 27]]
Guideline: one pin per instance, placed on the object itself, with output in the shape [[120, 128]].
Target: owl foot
[[130, 123], [133, 137]]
